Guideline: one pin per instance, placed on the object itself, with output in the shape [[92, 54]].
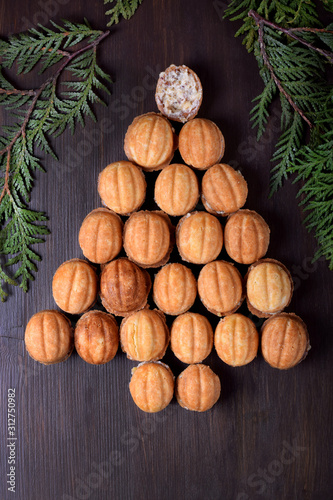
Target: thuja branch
[[36, 93], [6, 183], [283, 35], [260, 21], [40, 114], [121, 8], [21, 131], [275, 78], [17, 92]]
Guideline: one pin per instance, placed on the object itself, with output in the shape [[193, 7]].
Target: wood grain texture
[[79, 434]]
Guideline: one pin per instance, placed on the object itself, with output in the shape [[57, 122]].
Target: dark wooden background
[[80, 436]]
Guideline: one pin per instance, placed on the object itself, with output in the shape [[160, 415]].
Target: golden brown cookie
[[269, 287], [220, 287], [147, 238], [224, 190], [177, 189], [101, 236], [75, 286], [122, 187], [150, 141], [124, 287], [199, 237], [191, 338], [246, 236], [96, 337], [144, 335], [236, 340], [198, 388], [178, 93], [49, 337], [201, 143], [284, 340], [175, 289], [152, 386]]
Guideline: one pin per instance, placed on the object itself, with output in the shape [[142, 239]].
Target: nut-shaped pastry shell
[[236, 340], [224, 190], [152, 386], [144, 335], [96, 337], [269, 287], [284, 340], [178, 93], [101, 236], [177, 189], [191, 338], [75, 286], [201, 143], [220, 287], [122, 187], [49, 337], [150, 141], [175, 289], [198, 388], [124, 287], [199, 237], [147, 238], [246, 236]]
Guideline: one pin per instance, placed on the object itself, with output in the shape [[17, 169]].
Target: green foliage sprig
[[124, 8], [293, 50], [40, 114]]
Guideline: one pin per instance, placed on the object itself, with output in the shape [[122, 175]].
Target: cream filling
[[209, 207], [179, 93]]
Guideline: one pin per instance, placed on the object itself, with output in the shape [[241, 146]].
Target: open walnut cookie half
[[178, 93]]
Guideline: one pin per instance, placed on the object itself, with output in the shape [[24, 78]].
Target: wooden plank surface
[[79, 435]]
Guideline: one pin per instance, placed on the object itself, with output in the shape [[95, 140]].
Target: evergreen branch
[[59, 52], [310, 30], [286, 150], [4, 278], [24, 232], [5, 188], [259, 114], [314, 166], [34, 46], [286, 13], [44, 114], [124, 8], [21, 131], [259, 20], [260, 23], [52, 80], [17, 92], [284, 36]]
